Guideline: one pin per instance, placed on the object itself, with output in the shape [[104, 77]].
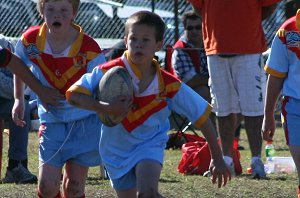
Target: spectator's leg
[[18, 141], [226, 129], [253, 130], [237, 132], [17, 153]]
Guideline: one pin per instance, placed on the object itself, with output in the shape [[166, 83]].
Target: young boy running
[[60, 53], [133, 150]]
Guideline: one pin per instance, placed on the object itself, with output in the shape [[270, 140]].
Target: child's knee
[[148, 193], [48, 189], [73, 188]]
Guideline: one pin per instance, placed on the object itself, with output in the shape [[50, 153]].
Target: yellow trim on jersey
[[59, 82], [281, 32], [203, 117], [142, 111], [134, 68], [91, 55], [274, 72], [77, 89], [41, 38], [75, 48]]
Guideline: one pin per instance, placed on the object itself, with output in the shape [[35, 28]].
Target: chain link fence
[[104, 19]]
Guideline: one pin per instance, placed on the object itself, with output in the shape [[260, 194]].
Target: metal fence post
[[176, 35]]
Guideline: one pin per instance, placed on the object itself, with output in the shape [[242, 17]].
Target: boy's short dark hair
[[147, 18], [192, 15]]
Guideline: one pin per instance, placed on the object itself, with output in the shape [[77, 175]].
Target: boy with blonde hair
[[60, 53], [133, 150]]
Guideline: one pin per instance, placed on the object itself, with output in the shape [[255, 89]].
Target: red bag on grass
[[195, 158]]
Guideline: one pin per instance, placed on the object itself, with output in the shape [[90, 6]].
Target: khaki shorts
[[237, 84]]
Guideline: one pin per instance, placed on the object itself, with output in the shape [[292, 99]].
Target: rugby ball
[[115, 82]]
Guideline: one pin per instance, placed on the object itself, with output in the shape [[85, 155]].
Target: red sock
[[83, 196], [40, 196]]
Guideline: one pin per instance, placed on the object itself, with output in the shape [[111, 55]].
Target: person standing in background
[[17, 170], [234, 42], [189, 59]]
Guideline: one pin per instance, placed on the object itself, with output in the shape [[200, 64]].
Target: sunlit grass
[[173, 184]]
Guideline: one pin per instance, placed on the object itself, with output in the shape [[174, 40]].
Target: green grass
[[173, 184]]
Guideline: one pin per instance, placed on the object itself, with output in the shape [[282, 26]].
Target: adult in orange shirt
[[234, 41]]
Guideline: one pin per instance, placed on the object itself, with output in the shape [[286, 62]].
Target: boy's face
[[58, 15], [141, 44]]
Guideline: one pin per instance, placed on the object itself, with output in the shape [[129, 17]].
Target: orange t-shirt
[[233, 26]]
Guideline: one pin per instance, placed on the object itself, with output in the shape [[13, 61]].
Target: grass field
[[173, 184]]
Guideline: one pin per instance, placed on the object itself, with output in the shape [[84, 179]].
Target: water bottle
[[270, 153], [270, 150]]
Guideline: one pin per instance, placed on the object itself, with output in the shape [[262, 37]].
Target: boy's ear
[[74, 15], [159, 45], [41, 15], [125, 40]]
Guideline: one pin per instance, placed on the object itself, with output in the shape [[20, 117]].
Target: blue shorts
[[291, 120], [76, 141], [127, 181]]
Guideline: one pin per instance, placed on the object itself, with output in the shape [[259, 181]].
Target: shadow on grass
[[163, 180], [283, 149], [96, 181], [277, 177]]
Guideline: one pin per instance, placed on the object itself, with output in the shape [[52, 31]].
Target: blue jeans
[[18, 136]]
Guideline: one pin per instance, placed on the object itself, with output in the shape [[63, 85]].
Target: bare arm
[[23, 74], [274, 86], [19, 106], [17, 66], [84, 101], [267, 11], [119, 107], [218, 168], [198, 80]]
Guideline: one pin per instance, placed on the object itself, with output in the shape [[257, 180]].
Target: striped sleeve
[[5, 56]]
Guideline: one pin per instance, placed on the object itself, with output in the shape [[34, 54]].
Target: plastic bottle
[[270, 150], [270, 153]]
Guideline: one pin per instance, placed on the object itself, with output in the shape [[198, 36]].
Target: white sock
[[254, 159], [228, 160]]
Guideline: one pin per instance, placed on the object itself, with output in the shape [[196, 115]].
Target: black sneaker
[[19, 175]]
